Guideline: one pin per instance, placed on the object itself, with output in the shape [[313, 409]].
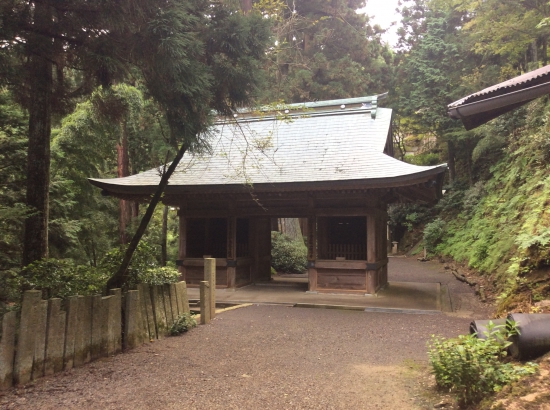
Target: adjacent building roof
[[478, 108], [335, 142]]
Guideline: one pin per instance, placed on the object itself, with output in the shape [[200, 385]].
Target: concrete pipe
[[479, 327], [534, 335]]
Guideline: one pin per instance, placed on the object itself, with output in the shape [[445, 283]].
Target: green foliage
[[426, 158], [182, 324], [13, 159], [62, 278], [158, 275], [434, 233], [502, 226], [144, 267], [475, 367], [287, 255], [323, 50]]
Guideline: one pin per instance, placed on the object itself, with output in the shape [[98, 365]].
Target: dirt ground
[[270, 357]]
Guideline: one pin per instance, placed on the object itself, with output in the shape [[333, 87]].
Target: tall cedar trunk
[[163, 237], [451, 160], [291, 228], [121, 276], [246, 6], [123, 163], [35, 242]]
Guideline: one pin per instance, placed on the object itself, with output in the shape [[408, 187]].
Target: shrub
[[474, 368], [182, 324], [287, 255], [158, 275], [144, 267], [62, 278], [144, 258], [434, 233]]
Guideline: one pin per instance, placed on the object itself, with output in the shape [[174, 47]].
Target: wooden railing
[[349, 251]]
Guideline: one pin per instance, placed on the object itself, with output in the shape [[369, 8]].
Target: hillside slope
[[500, 227]]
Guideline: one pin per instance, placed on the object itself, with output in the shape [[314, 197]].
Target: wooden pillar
[[312, 252], [384, 255], [262, 249], [210, 277], [322, 238], [371, 254], [231, 251], [182, 251]]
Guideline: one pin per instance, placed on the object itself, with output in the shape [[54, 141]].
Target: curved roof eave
[[111, 187]]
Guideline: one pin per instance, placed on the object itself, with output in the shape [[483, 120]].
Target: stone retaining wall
[[49, 336]]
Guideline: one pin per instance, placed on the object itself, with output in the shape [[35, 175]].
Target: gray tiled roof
[[522, 81], [481, 107], [335, 146]]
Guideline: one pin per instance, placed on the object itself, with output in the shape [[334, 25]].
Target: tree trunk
[[123, 168], [35, 242], [121, 276], [291, 228], [246, 6], [451, 160], [163, 236]]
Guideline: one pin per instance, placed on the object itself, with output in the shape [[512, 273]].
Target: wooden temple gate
[[347, 242], [328, 162]]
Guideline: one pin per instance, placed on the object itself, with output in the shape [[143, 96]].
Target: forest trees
[[449, 49], [192, 56], [323, 50], [433, 71]]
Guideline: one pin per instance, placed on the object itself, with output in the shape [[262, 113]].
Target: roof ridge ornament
[[374, 107]]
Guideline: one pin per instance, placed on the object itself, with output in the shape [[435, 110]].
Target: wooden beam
[[371, 254], [312, 251], [231, 251], [182, 243]]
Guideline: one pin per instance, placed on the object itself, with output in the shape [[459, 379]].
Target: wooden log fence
[[49, 336]]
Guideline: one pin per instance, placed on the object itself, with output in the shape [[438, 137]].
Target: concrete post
[[183, 300], [205, 302], [174, 301], [25, 342], [7, 350], [394, 247], [83, 340], [167, 306], [105, 335], [210, 277], [70, 332], [39, 335], [55, 341], [133, 322], [159, 312], [97, 317], [145, 296], [115, 321]]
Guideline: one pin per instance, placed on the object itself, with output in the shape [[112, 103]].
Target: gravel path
[[267, 357]]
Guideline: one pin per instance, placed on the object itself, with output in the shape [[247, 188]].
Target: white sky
[[382, 12]]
